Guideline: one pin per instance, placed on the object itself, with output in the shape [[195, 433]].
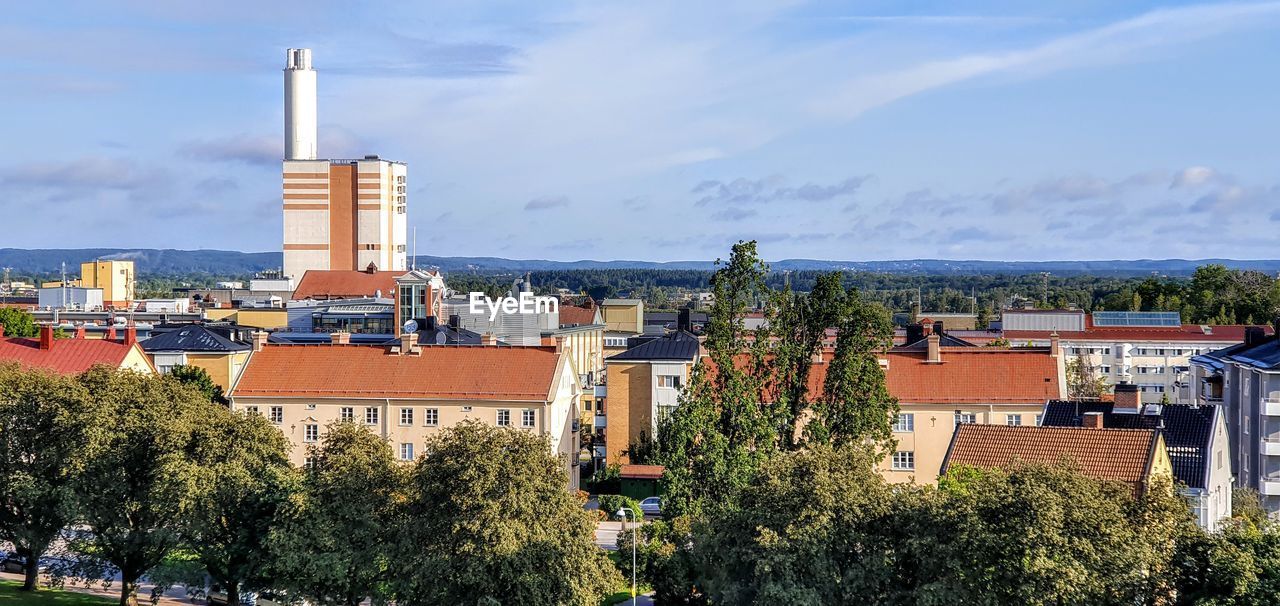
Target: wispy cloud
[[770, 189], [546, 203]]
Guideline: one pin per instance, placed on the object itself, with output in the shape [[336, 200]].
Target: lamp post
[[622, 513]]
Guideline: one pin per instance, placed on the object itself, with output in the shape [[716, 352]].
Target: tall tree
[[855, 406], [799, 326], [721, 431], [44, 423], [244, 480], [333, 543], [139, 478], [489, 520]]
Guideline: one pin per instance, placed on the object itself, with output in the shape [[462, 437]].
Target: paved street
[[607, 534]]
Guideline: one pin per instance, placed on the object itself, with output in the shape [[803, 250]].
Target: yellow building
[[195, 345], [264, 318], [115, 278], [643, 386], [623, 315], [407, 392]]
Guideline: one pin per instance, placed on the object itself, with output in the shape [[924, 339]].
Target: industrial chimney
[[299, 105]]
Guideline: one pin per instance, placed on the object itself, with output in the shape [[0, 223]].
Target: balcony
[[1270, 487], [601, 391], [1272, 408], [601, 421], [1271, 447]]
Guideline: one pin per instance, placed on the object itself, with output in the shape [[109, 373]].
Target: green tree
[[855, 406], [139, 479], [809, 529], [489, 521], [199, 379], [799, 324], [332, 545], [44, 422], [17, 323], [244, 480], [1082, 382]]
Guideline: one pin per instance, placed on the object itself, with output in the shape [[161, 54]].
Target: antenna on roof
[[413, 265]]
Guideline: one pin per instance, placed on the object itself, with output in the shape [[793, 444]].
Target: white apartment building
[[1152, 350]]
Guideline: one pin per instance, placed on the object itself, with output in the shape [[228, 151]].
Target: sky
[[999, 130]]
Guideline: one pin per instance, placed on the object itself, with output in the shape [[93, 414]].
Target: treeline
[[773, 497], [1214, 294], [141, 476]]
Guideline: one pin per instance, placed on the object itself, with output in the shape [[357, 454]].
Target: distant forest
[[1212, 295]]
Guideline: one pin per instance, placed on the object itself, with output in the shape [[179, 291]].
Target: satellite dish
[[440, 337], [410, 326]]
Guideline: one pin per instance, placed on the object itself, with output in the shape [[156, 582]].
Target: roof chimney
[[937, 327], [1091, 420], [935, 349], [1253, 335], [111, 333], [130, 334], [488, 338], [340, 338], [409, 343], [915, 332], [46, 337], [371, 268], [1055, 344], [259, 340], [80, 331], [1127, 396]]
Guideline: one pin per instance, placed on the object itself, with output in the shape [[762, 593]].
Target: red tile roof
[[1225, 333], [966, 375], [642, 472], [572, 315], [455, 372], [1124, 455], [973, 374], [67, 356], [345, 284]]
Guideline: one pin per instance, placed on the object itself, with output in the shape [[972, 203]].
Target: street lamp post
[[622, 513]]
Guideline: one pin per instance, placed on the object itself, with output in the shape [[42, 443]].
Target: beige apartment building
[[408, 392], [642, 389]]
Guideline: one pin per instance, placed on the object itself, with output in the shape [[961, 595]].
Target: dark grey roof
[[944, 340], [1264, 355], [1187, 430], [194, 338], [675, 346], [672, 317]]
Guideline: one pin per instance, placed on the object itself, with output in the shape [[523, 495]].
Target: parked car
[[13, 563], [651, 507]]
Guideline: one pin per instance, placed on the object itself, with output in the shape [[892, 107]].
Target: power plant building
[[339, 214]]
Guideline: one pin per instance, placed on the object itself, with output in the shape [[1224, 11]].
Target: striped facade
[[344, 214]]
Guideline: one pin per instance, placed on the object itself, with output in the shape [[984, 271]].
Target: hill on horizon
[[152, 261]]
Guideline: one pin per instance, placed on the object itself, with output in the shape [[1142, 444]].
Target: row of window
[[906, 422], [1141, 351], [372, 416]]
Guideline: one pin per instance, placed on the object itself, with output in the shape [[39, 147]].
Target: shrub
[[611, 503]]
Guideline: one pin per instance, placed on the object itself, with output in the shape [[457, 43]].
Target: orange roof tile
[[456, 372], [1123, 455], [67, 356], [572, 315], [345, 284]]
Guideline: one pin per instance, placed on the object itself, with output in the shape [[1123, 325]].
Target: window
[[615, 341], [347, 414], [966, 417], [406, 452], [1219, 459], [1105, 369], [664, 412], [1013, 420], [1039, 420], [371, 416], [504, 418], [669, 381], [309, 462], [311, 406], [311, 433], [904, 460], [905, 422], [406, 416], [277, 414], [431, 417], [527, 418], [399, 248], [253, 410]]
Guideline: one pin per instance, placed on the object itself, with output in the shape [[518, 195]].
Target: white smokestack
[[299, 105]]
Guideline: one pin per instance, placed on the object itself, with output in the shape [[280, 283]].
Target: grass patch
[[12, 595], [623, 594]]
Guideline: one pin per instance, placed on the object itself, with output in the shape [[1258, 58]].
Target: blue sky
[[662, 131]]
